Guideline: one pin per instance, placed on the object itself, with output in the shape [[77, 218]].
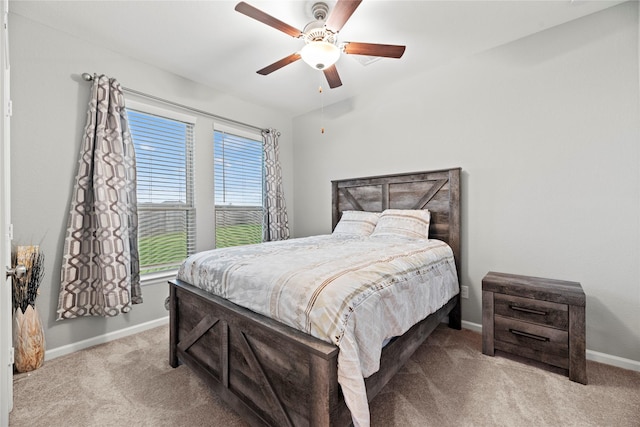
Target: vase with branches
[[28, 334]]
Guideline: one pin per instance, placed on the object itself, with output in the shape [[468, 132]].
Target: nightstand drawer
[[536, 337], [535, 311]]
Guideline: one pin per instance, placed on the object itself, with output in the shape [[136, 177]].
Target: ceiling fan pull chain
[[321, 107]]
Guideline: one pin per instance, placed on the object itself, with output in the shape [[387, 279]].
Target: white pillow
[[403, 222], [356, 223]]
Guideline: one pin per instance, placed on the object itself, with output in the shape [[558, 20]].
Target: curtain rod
[[88, 77]]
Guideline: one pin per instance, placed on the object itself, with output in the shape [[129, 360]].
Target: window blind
[[238, 189], [165, 185]]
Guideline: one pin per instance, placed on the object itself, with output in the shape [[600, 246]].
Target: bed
[[273, 374]]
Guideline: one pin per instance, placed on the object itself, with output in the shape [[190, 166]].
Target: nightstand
[[541, 319]]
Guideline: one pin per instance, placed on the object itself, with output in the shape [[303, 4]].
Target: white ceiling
[[210, 43]]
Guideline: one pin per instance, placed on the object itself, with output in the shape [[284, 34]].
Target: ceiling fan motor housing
[[316, 31], [320, 11]]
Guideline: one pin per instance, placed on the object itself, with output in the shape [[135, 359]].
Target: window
[[166, 212], [238, 188]]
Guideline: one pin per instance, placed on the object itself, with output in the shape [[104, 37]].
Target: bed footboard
[[269, 373]]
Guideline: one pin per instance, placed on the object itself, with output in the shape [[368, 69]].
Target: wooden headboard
[[438, 191]]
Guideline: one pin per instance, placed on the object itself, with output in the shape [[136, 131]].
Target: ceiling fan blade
[[279, 64], [258, 15], [341, 13], [332, 76], [374, 49]]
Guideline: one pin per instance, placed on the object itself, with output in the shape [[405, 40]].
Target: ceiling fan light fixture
[[320, 54]]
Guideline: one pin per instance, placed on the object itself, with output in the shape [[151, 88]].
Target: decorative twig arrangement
[[25, 289]]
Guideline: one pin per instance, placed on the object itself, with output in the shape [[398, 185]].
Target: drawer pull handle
[[527, 310], [527, 335]]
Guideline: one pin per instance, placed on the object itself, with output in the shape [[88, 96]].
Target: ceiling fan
[[321, 50]]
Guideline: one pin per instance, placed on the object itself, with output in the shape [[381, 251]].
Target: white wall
[[50, 103], [547, 132]]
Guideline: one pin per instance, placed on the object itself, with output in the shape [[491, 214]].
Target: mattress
[[354, 292]]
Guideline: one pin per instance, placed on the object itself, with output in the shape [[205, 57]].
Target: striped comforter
[[354, 292]]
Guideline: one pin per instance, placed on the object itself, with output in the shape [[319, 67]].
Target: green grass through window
[[171, 248], [162, 250], [236, 235]]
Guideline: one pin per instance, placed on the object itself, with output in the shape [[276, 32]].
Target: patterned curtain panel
[[100, 269], [275, 222]]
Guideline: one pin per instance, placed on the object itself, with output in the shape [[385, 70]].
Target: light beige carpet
[[447, 382]]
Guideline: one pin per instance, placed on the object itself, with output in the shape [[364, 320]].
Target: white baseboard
[[101, 339], [609, 359], [595, 356], [475, 327]]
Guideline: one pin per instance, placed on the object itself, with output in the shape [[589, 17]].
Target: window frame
[[255, 136], [190, 185]]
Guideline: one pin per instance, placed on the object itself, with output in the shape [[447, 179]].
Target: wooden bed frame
[[275, 375]]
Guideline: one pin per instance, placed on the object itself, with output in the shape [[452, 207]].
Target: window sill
[[156, 278]]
